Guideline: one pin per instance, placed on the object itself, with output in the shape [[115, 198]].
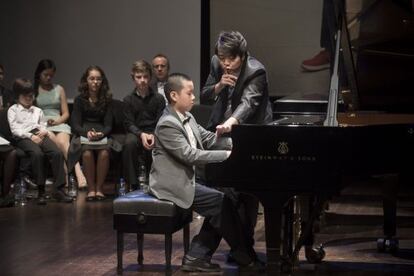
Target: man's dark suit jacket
[[250, 101]]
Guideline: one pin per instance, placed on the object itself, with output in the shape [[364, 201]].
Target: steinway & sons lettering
[[301, 158]]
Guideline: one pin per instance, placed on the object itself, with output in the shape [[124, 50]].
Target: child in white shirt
[[31, 136]]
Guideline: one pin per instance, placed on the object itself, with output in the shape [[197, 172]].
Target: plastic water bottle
[[143, 179], [121, 187], [20, 193], [72, 189]]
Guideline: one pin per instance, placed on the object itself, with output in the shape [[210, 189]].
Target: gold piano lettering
[[292, 158]]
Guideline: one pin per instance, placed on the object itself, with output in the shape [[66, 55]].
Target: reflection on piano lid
[[311, 119]]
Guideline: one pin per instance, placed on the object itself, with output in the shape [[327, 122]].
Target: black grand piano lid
[[378, 65]]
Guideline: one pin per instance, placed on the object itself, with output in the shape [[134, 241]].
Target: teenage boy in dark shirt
[[143, 109]]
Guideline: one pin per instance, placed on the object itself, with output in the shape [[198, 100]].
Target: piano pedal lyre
[[305, 214], [292, 221], [297, 222]]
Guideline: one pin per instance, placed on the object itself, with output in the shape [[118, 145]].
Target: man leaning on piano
[[238, 86]]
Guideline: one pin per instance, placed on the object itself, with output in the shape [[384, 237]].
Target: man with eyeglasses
[[160, 68]]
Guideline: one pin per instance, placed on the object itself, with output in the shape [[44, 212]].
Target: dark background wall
[[113, 34], [108, 33], [281, 34]]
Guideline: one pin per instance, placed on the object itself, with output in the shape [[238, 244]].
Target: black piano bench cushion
[[138, 212], [137, 201]]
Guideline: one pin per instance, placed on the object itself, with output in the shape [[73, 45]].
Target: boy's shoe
[[191, 264], [41, 200], [30, 183], [256, 266], [61, 196]]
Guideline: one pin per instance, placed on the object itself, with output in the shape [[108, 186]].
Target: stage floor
[[78, 239]]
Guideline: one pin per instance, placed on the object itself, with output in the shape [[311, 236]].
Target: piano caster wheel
[[388, 245], [314, 255], [286, 266]]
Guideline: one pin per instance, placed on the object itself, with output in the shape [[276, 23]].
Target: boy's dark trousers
[[37, 154]]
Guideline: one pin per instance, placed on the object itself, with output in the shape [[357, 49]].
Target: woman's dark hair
[[231, 43], [44, 64], [104, 96], [22, 86]]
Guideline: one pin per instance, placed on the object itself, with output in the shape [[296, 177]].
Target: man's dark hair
[[174, 83], [231, 43], [22, 87]]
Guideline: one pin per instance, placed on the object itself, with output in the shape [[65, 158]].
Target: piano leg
[[273, 226], [389, 190], [288, 226]]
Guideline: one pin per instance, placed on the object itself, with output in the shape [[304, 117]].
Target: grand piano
[[297, 154]]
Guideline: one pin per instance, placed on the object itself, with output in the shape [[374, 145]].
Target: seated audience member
[[7, 152], [92, 123], [7, 167], [144, 107], [31, 136], [161, 68], [51, 98], [180, 145], [6, 96]]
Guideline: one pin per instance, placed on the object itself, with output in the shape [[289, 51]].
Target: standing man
[[238, 84], [329, 27], [143, 109], [161, 68], [180, 145]]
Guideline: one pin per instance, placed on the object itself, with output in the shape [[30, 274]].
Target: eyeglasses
[[162, 66]]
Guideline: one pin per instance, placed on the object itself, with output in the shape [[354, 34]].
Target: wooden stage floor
[[78, 239]]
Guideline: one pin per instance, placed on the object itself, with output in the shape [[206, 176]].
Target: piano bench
[[138, 212]]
